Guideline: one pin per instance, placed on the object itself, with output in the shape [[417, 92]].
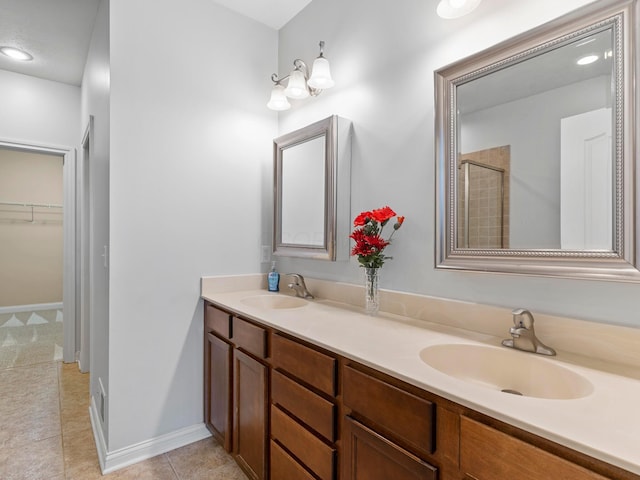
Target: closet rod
[[32, 205]]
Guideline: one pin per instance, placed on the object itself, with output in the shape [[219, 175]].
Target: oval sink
[[274, 301], [508, 371]]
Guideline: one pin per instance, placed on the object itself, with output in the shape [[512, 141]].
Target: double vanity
[[316, 389]]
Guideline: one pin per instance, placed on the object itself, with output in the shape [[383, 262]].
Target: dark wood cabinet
[[303, 411], [488, 454], [370, 456], [250, 414], [236, 382], [288, 410], [218, 388], [388, 432]]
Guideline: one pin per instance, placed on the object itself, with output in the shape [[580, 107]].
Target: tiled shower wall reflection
[[484, 222]]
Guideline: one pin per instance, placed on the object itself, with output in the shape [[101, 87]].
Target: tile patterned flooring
[[27, 338], [46, 433]]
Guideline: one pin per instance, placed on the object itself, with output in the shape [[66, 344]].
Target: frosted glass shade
[[321, 74], [278, 99], [297, 86]]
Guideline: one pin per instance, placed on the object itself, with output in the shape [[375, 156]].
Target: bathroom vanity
[[298, 389]]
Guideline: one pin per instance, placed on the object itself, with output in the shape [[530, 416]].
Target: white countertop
[[605, 424]]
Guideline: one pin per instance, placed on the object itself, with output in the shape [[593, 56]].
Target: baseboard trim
[[123, 457], [98, 434], [31, 308]]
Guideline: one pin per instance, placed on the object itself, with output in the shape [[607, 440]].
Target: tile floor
[[45, 433], [27, 338]]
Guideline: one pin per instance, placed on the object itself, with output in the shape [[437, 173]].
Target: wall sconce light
[[300, 84], [456, 8]]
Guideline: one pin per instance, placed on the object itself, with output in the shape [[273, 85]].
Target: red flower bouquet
[[370, 244]]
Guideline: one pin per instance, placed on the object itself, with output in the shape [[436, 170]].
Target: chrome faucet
[[524, 336], [298, 286]]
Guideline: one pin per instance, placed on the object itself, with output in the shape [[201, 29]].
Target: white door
[[586, 171]]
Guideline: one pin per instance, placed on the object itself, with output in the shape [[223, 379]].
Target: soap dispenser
[[273, 278]]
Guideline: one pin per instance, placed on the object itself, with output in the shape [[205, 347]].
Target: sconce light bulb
[[297, 86], [321, 74], [278, 99]]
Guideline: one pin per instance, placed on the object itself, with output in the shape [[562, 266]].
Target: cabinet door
[[250, 414], [218, 389], [370, 456]]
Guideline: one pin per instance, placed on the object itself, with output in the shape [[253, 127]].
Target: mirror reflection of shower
[[483, 200]]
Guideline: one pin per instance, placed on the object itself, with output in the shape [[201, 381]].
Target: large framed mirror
[[536, 148], [308, 168]]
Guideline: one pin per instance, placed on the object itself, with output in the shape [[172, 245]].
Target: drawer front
[[283, 466], [217, 321], [310, 366], [486, 453], [308, 407], [304, 445], [250, 337], [409, 418], [370, 456]]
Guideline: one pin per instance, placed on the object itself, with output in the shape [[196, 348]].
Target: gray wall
[[383, 55], [190, 138], [95, 102]]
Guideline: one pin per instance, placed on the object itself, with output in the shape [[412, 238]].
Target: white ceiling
[[273, 13], [58, 32]]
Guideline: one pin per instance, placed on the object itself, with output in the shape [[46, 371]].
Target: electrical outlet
[[265, 256]]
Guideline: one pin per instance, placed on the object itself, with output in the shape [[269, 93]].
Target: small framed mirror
[[535, 151], [307, 167]]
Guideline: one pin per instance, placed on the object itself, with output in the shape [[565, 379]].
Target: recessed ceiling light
[[456, 8], [587, 60], [16, 54]]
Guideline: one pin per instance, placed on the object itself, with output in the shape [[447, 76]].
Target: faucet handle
[[297, 277], [522, 318]]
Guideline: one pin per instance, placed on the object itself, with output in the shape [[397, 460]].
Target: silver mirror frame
[[328, 129], [618, 264]]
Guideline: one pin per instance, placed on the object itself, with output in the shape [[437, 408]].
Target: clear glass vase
[[371, 291]]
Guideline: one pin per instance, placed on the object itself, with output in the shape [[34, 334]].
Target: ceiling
[[58, 32], [273, 13]]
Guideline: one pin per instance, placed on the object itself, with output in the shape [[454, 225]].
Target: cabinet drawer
[[307, 406], [250, 337], [283, 466], [486, 454], [395, 412], [304, 445], [217, 320], [315, 368]]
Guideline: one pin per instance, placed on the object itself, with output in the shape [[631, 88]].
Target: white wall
[[190, 145], [95, 103], [36, 111], [383, 55]]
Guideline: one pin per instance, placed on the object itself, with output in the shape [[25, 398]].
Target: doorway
[[67, 212]]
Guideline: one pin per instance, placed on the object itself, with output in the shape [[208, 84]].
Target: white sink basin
[[274, 301], [506, 370]]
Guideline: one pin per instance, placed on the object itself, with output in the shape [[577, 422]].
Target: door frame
[[69, 160], [83, 250]]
